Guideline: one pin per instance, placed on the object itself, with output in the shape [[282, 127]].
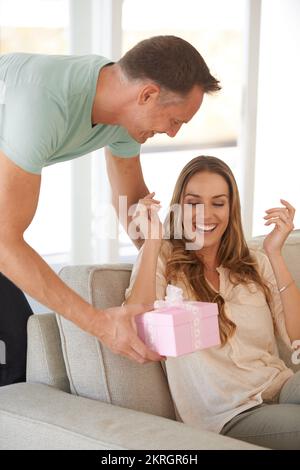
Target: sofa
[[79, 395]]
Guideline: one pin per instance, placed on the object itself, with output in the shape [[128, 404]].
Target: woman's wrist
[[153, 243], [274, 254]]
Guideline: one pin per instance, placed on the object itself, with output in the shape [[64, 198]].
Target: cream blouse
[[211, 386]]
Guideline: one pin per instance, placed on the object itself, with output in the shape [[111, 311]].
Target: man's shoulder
[[57, 73], [44, 60]]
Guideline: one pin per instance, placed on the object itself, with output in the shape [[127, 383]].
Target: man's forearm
[[25, 268]]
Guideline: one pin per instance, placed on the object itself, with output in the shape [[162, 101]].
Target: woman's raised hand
[[146, 218], [282, 218]]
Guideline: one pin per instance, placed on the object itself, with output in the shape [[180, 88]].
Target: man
[[55, 108]]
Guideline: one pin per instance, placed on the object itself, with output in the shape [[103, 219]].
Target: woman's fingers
[[287, 223], [278, 209], [150, 197], [289, 210], [278, 223], [147, 205], [148, 202], [289, 206], [281, 214], [281, 224]]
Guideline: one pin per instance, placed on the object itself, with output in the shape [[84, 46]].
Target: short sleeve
[[277, 312], [161, 282], [31, 126], [125, 146]]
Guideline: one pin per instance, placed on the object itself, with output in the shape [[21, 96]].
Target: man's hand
[[116, 328]]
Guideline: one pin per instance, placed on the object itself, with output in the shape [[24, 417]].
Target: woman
[[240, 388]]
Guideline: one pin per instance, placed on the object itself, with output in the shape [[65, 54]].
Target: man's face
[[150, 115]]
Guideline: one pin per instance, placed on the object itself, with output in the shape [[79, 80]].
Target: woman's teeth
[[206, 228]]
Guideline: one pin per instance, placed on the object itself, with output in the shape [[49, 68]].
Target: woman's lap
[[276, 426], [290, 392]]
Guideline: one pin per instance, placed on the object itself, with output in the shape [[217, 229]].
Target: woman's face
[[211, 190]]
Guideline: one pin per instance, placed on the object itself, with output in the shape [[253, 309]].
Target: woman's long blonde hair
[[233, 251]]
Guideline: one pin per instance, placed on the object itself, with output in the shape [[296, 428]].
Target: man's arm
[[19, 193], [126, 179]]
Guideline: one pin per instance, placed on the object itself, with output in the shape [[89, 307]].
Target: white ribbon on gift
[[174, 298]]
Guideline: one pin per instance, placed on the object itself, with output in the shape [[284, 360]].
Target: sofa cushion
[[93, 370], [45, 363], [38, 417]]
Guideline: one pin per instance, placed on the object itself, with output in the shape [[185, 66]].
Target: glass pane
[[216, 29], [37, 26]]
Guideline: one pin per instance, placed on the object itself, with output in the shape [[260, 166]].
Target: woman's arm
[[144, 286], [126, 179], [290, 297], [143, 279], [273, 243]]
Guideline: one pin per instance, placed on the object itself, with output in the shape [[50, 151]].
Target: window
[[35, 26], [216, 29]]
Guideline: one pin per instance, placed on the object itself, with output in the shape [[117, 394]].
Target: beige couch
[[79, 395]]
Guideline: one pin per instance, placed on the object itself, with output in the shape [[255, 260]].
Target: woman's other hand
[[282, 218]]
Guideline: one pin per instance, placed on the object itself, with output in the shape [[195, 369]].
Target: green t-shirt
[[45, 110]]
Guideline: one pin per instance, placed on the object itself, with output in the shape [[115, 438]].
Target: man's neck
[[108, 98]]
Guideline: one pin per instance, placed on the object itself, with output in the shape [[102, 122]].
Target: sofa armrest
[[39, 417], [45, 362]]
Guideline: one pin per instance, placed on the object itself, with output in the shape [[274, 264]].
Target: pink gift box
[[180, 329]]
